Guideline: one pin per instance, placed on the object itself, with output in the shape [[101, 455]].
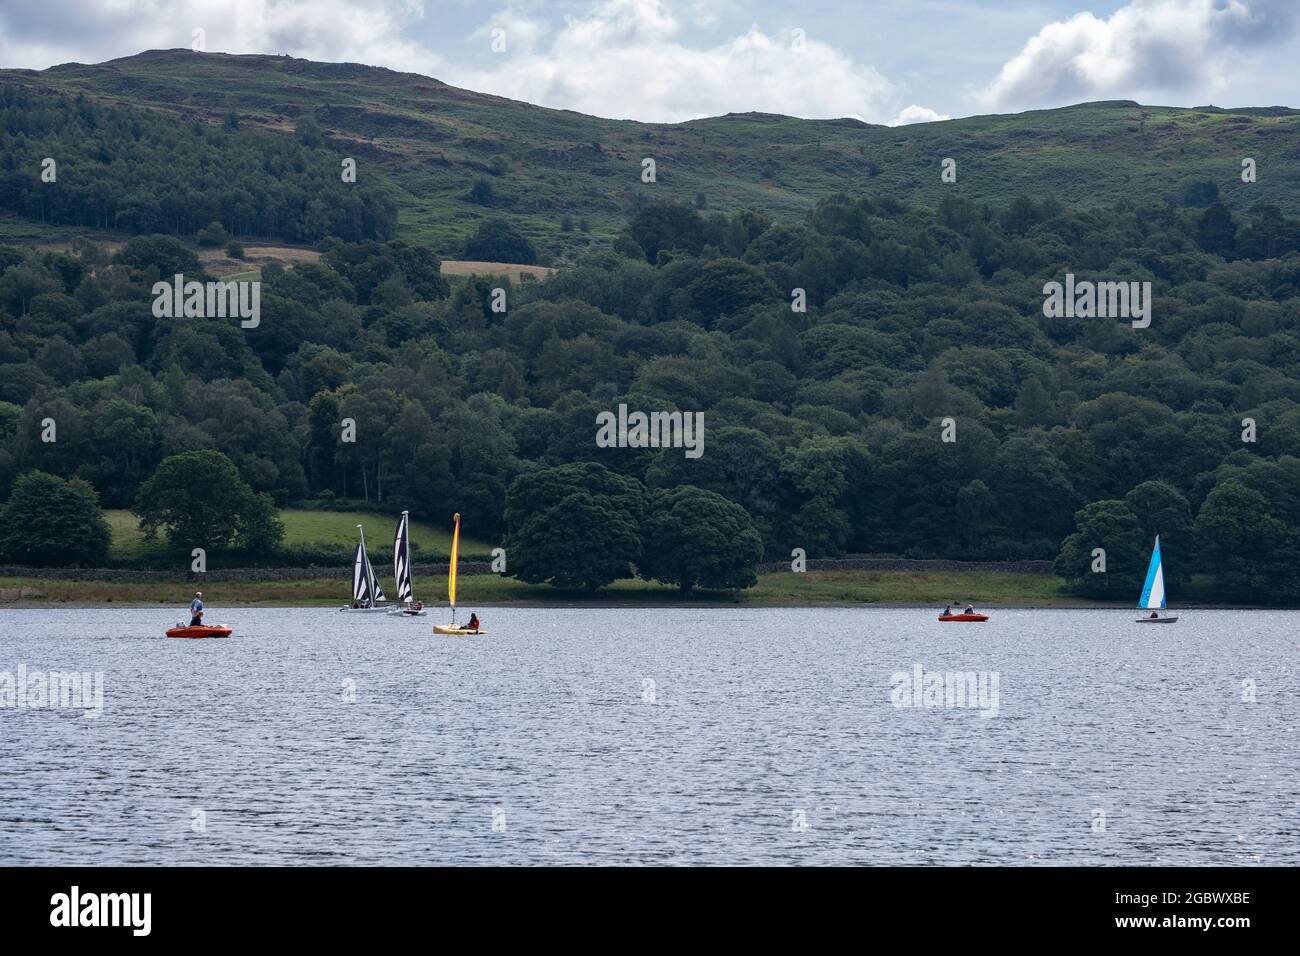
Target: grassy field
[[464, 267], [256, 257], [931, 589], [303, 527]]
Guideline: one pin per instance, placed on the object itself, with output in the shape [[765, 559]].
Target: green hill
[[880, 371], [430, 143]]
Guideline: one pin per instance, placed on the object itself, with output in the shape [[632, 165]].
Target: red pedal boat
[[203, 630], [963, 617]]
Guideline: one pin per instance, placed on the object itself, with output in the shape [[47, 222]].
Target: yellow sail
[[451, 572]]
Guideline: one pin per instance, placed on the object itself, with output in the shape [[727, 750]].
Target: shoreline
[[604, 603], [847, 588]]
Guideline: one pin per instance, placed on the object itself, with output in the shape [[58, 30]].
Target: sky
[[673, 60]]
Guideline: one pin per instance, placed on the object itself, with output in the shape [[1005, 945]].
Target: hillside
[[878, 372], [430, 143]]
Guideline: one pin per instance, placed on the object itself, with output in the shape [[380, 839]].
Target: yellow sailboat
[[452, 628]]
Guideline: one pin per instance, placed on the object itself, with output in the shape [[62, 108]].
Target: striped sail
[[360, 579], [402, 559], [365, 586], [1153, 591], [375, 589]]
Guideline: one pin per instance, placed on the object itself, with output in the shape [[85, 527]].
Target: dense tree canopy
[[575, 526], [498, 240], [696, 538], [202, 502], [920, 403], [139, 171], [51, 522]]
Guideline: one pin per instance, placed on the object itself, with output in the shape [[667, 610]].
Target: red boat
[[203, 630], [963, 617]]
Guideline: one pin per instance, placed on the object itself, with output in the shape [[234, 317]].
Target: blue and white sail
[[1153, 591]]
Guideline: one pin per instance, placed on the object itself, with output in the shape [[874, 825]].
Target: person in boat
[[473, 622], [970, 609], [947, 612], [1154, 615], [196, 610]]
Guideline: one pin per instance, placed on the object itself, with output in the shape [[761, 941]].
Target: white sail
[[402, 560]]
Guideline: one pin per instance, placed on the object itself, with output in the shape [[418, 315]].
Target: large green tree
[[574, 526], [201, 501], [499, 240], [695, 538], [1112, 527], [1251, 554], [50, 522]]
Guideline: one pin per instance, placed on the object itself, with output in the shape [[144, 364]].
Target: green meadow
[[304, 527]]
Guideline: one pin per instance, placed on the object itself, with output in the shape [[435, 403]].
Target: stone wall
[[231, 574], [906, 564]]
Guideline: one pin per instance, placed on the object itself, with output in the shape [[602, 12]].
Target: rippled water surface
[[766, 736]]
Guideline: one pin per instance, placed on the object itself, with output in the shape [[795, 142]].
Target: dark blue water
[[767, 736]]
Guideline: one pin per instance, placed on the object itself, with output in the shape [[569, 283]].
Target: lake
[[655, 736]]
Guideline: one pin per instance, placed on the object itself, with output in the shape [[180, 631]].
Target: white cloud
[[917, 114], [37, 34], [1150, 50], [518, 32], [626, 59]]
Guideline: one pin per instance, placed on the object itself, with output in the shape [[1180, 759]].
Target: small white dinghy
[[1153, 591]]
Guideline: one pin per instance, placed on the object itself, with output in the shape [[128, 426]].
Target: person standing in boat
[[196, 610]]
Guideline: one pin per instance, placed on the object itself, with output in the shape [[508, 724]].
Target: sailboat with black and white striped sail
[[409, 607], [367, 595], [1153, 591]]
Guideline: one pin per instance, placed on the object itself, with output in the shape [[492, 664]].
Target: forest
[[140, 171], [825, 423]]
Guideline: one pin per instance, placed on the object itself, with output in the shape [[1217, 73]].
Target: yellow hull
[[449, 629]]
